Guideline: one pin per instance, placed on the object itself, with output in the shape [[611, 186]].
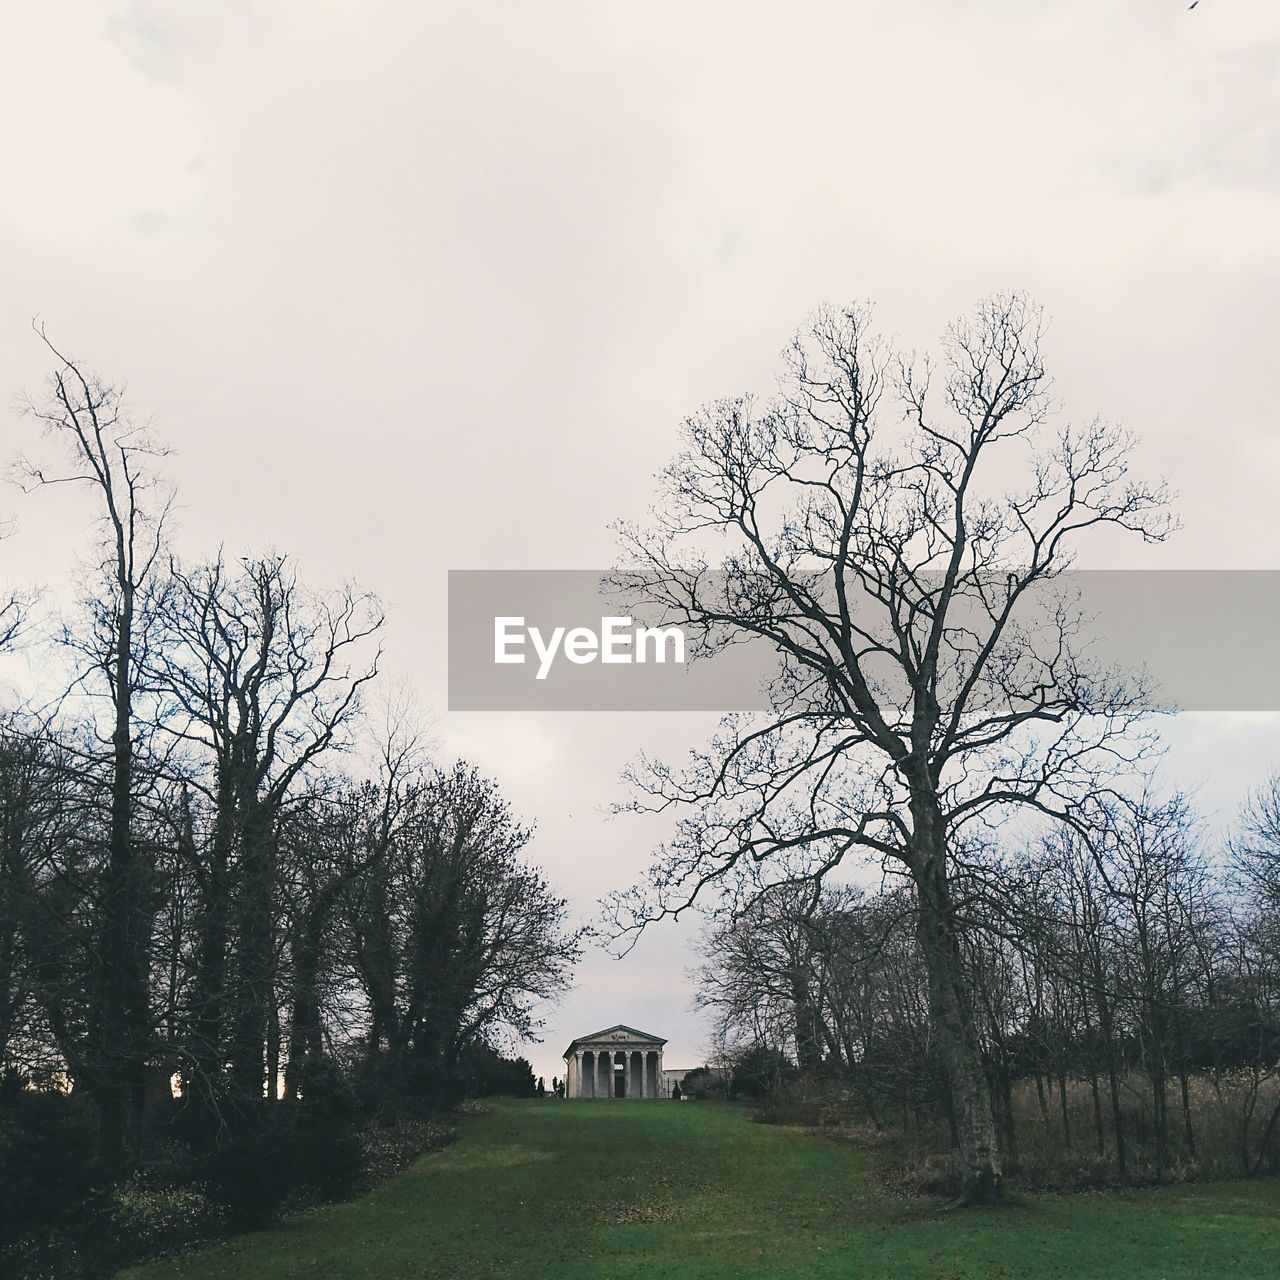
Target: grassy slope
[[618, 1190]]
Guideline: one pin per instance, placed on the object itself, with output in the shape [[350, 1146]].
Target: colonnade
[[610, 1073]]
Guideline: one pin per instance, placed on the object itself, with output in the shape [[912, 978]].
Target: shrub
[[486, 1073], [47, 1148], [389, 1149], [152, 1219], [255, 1176], [758, 1071]]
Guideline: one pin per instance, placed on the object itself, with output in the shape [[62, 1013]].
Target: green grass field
[[614, 1190]]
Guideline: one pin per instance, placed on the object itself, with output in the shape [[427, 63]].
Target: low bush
[[388, 1150], [47, 1145], [257, 1176], [58, 1226], [147, 1219]]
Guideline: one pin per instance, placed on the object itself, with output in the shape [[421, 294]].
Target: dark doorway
[[619, 1081]]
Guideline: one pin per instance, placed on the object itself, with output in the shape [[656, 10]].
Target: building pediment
[[620, 1037]]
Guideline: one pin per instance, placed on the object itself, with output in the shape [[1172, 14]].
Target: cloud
[[90, 141], [419, 287]]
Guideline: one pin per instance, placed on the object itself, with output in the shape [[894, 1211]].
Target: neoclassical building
[[619, 1062]]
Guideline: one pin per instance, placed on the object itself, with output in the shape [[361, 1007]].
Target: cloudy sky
[[412, 287]]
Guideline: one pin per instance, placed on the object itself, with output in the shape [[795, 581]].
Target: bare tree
[[1255, 844], [115, 458], [259, 678], [927, 676], [764, 975]]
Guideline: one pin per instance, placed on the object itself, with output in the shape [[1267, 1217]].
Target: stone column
[[604, 1075]]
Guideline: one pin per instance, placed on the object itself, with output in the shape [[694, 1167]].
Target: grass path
[[620, 1191]]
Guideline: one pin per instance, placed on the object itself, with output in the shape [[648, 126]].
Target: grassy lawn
[[609, 1190]]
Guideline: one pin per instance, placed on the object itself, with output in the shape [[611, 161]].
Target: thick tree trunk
[[122, 1002], [254, 972], [8, 1006], [305, 1031], [808, 1051], [978, 1150], [1007, 1124], [210, 986]]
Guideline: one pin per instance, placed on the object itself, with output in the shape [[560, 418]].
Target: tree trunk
[[123, 1000], [209, 1021], [1043, 1100], [256, 956], [1066, 1114], [1107, 1027], [1099, 1127], [808, 1051], [1160, 1115], [979, 1155], [304, 1022], [1113, 1081], [273, 1045], [1188, 1132]]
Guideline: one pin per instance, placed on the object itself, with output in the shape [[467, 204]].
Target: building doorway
[[619, 1080]]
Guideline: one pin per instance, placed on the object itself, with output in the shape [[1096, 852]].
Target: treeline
[[232, 911], [1126, 992]]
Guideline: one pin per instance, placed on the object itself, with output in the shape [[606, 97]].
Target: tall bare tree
[[901, 573], [260, 677], [114, 457]]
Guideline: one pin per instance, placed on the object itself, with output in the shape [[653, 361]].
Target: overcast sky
[[409, 287]]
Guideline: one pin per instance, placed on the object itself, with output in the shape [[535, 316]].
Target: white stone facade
[[619, 1062]]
